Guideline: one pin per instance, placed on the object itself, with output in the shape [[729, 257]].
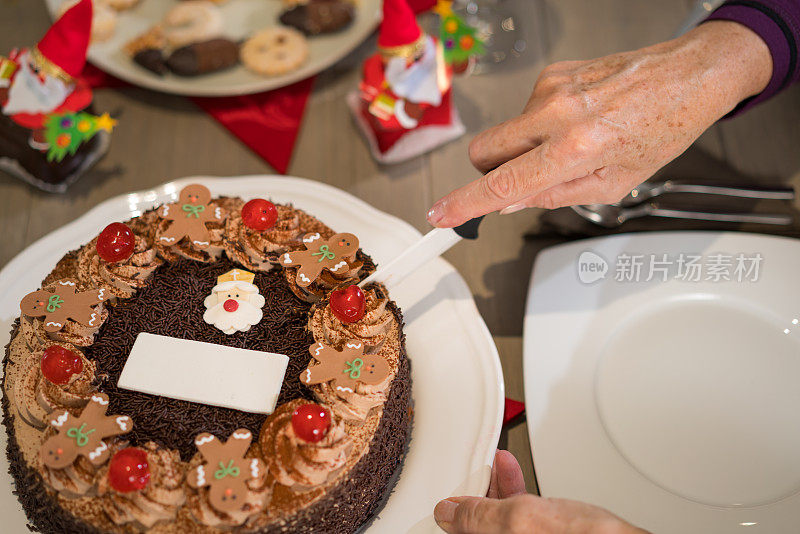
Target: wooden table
[[163, 137]]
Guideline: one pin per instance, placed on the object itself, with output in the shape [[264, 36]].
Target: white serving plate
[[672, 403], [242, 19], [457, 378]]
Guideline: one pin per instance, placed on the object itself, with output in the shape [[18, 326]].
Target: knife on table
[[432, 245]]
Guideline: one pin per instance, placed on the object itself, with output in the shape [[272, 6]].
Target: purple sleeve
[[777, 22]]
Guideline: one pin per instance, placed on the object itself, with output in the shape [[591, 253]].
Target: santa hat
[[62, 50], [399, 35]]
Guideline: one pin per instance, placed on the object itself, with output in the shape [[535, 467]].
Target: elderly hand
[[593, 130], [509, 510]]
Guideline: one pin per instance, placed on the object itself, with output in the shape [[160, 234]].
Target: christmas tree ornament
[[128, 470], [59, 364], [311, 422], [259, 214], [47, 118], [461, 43], [348, 304], [115, 243], [404, 104]]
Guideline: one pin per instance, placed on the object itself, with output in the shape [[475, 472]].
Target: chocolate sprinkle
[[172, 305]]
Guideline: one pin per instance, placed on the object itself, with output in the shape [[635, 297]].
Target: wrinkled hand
[[593, 130], [509, 510]]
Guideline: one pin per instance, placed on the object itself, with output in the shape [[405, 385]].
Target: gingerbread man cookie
[[83, 435], [225, 470], [189, 217], [345, 368], [320, 254], [61, 303]]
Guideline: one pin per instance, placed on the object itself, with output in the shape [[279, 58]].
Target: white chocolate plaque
[[206, 373]]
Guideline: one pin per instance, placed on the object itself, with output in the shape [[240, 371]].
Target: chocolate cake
[[185, 460]]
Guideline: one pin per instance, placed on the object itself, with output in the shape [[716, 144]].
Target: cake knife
[[432, 245]]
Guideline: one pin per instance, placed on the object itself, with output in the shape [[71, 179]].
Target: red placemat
[[268, 123]]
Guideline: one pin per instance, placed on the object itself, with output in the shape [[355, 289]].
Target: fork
[[612, 216], [648, 190]]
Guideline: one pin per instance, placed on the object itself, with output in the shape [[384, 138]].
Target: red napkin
[[268, 122], [512, 410]]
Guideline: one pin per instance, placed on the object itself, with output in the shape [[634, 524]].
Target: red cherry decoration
[[59, 364], [115, 243], [348, 304], [128, 470], [311, 422], [259, 214], [230, 305]]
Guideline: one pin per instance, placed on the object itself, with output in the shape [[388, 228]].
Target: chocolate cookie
[[204, 57], [319, 16]]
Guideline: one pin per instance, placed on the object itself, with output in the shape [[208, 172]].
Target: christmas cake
[[49, 134], [210, 365]]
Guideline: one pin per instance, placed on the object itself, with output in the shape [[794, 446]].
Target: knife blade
[[432, 245]]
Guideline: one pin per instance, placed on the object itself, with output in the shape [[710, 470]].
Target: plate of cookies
[[223, 47]]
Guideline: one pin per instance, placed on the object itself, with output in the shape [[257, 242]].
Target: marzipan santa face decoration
[[405, 88], [45, 105], [234, 304]]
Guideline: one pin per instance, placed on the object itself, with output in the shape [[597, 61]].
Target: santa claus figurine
[[234, 304], [404, 107], [50, 135]]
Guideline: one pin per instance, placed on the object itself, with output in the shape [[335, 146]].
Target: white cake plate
[[458, 382]]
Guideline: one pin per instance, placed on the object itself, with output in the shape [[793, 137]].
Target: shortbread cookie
[[275, 51], [192, 21]]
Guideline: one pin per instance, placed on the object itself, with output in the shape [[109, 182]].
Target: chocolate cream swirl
[[258, 496], [77, 480], [37, 397], [123, 278], [299, 464], [157, 502], [256, 250], [373, 329]]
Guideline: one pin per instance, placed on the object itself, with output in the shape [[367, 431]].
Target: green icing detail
[[324, 253], [54, 303], [223, 471], [192, 210], [81, 437], [354, 368]]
